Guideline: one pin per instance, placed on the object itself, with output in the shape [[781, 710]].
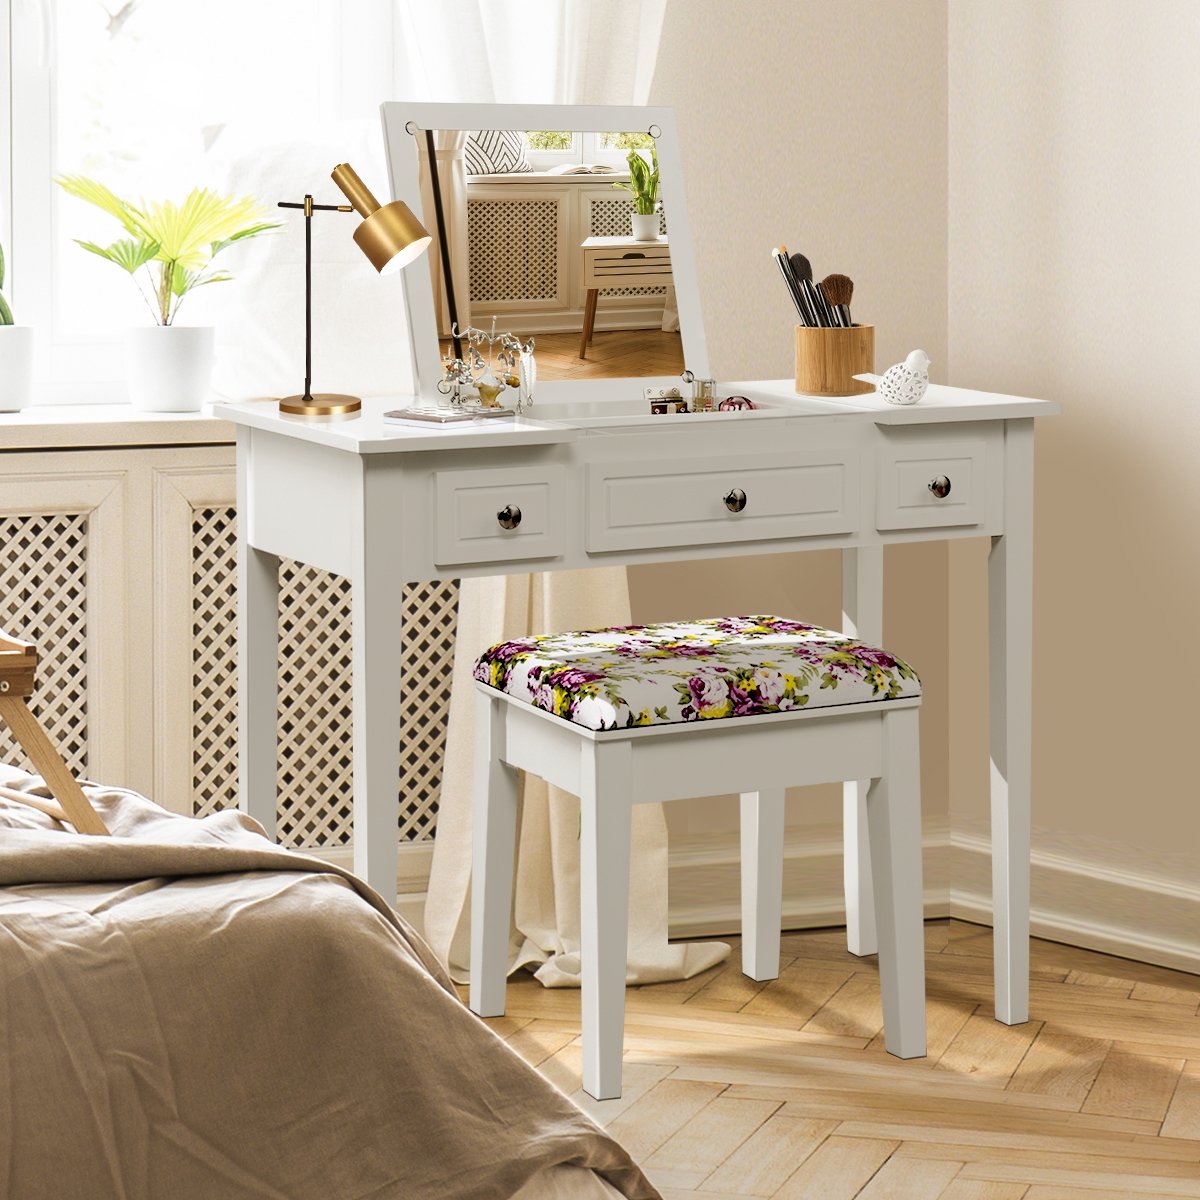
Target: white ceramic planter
[[169, 367], [16, 367], [645, 226]]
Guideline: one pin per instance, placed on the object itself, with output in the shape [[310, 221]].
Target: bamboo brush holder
[[828, 359]]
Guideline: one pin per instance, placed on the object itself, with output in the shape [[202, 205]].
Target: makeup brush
[[802, 271], [838, 290], [780, 257], [803, 286], [800, 265]]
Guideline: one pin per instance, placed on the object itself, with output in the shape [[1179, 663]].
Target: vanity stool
[[674, 711]]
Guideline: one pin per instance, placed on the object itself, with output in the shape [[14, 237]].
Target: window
[[134, 93], [552, 148]]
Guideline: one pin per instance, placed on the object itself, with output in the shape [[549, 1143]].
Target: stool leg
[[862, 616], [894, 814], [606, 814], [494, 844], [762, 882]]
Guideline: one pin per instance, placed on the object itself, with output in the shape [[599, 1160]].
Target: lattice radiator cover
[[43, 599], [513, 249], [315, 728]]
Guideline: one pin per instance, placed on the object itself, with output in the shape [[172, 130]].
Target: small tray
[[446, 416]]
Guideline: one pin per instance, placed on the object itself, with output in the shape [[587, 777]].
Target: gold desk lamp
[[389, 235]]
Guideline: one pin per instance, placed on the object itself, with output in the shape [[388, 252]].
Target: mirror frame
[[403, 120]]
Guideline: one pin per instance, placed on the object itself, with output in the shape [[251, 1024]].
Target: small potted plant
[[643, 187], [16, 356], [169, 252]]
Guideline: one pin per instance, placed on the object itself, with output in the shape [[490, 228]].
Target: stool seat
[[632, 675]]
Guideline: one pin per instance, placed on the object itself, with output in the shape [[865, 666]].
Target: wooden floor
[[734, 1088], [615, 354]]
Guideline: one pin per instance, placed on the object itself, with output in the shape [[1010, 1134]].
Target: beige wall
[[1074, 274], [824, 127]]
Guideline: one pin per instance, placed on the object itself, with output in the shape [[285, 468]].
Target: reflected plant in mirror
[[643, 187]]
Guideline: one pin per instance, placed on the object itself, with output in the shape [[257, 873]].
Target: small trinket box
[[666, 401]]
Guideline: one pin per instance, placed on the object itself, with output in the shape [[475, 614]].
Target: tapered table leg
[[1010, 644], [862, 616], [258, 657]]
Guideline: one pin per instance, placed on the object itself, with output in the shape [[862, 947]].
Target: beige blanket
[[187, 1011]]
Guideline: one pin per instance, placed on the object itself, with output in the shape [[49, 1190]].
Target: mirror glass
[[574, 236]]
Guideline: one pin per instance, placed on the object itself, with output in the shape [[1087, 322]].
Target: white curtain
[[529, 51], [565, 52], [449, 149]]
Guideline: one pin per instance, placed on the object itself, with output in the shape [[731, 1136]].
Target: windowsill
[[546, 177], [78, 426]]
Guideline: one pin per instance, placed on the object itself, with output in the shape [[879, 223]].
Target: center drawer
[[693, 502]]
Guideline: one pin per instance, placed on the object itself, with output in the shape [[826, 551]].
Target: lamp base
[[322, 404]]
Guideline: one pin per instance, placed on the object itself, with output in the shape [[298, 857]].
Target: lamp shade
[[389, 235]]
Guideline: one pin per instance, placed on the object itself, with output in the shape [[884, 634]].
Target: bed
[[187, 1010]]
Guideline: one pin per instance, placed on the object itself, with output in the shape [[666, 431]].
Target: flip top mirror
[[534, 212]]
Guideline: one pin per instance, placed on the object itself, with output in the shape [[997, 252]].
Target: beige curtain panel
[[545, 924]]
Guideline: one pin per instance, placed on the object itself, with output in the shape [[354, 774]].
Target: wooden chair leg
[[762, 882], [494, 837], [50, 766], [606, 815], [894, 816], [589, 320]]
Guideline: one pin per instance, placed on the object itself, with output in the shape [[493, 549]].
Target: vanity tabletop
[[367, 432]]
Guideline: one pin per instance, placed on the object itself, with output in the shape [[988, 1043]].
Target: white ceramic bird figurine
[[905, 383]]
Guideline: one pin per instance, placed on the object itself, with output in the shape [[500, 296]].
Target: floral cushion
[[692, 671]]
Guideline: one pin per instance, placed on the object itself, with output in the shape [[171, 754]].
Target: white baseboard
[[1084, 901], [1078, 900], [705, 887]]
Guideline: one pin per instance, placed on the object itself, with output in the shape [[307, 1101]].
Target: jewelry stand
[[323, 404]]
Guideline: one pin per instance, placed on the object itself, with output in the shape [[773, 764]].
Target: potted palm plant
[[16, 356], [169, 253], [643, 187]]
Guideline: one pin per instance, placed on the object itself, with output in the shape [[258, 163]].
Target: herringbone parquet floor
[[616, 353], [737, 1089]]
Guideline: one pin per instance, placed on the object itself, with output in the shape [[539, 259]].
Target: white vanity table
[[589, 478], [384, 505]]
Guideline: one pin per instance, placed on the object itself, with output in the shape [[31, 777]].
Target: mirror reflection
[[553, 235]]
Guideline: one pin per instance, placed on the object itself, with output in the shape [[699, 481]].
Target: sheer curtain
[[566, 52]]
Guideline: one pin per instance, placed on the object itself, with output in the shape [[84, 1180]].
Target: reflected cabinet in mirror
[[564, 226]]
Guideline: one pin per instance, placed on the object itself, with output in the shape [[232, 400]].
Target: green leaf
[[248, 232], [127, 254], [1, 266], [6, 316], [97, 194]]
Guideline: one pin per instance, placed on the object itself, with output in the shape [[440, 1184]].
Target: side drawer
[[645, 505], [468, 504], [649, 267], [905, 498]]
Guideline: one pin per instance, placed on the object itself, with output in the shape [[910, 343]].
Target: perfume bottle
[[704, 395]]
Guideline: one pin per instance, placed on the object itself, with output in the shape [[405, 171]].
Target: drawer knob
[[509, 516], [940, 486], [735, 500]]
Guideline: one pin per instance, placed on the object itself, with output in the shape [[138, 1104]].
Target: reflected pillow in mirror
[[497, 152]]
